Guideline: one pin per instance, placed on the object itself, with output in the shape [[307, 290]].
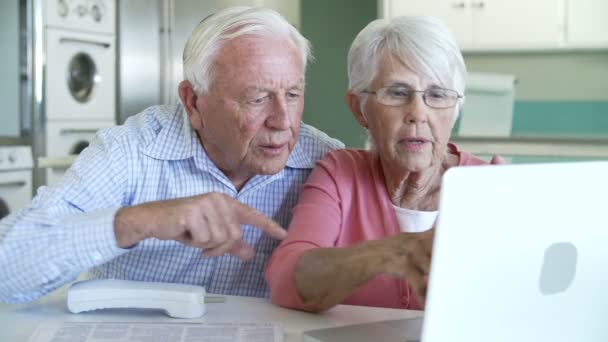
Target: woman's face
[[411, 137]]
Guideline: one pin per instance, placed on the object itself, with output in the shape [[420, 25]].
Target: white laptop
[[520, 254]]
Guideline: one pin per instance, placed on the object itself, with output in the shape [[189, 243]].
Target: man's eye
[[293, 96], [259, 100]]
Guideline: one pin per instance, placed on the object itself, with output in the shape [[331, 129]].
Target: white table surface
[[18, 322]]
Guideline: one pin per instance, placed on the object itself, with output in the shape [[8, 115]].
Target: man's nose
[[279, 117]]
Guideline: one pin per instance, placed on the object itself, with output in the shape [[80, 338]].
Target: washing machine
[[66, 140], [15, 178], [80, 78]]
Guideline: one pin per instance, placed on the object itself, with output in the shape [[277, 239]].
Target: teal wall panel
[[587, 119], [331, 26]]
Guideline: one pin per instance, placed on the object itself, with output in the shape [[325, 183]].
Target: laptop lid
[[521, 254]]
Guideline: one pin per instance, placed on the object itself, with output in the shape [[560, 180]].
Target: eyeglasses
[[395, 96]]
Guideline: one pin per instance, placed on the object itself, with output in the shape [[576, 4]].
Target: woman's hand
[[420, 190], [327, 276], [408, 256]]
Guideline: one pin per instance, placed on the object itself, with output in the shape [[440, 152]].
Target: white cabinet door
[[499, 24], [456, 14], [587, 23]]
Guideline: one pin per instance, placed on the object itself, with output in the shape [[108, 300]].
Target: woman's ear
[[354, 103], [190, 101]]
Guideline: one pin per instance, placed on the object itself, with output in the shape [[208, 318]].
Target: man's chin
[[272, 166]]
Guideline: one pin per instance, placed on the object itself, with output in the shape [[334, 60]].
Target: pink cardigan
[[344, 202]]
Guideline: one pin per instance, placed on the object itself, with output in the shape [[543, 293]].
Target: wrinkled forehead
[[392, 70], [260, 62]]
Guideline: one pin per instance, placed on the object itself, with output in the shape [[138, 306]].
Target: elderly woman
[[362, 231]]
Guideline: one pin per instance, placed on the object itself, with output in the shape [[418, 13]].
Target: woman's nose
[[417, 110]]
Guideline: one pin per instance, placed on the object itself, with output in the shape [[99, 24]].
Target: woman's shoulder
[[348, 159], [353, 174], [349, 167]]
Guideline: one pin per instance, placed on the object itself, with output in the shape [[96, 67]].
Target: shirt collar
[[174, 141], [298, 159]]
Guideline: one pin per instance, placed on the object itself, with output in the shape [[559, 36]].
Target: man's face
[[250, 120]]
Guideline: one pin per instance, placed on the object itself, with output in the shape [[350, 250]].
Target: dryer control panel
[[15, 158], [98, 16]]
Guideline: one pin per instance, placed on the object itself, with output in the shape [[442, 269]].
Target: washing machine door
[[82, 76], [80, 80]]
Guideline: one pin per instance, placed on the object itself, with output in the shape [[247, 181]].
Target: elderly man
[[182, 193]]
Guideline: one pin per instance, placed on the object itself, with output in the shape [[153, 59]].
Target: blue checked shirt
[[156, 155]]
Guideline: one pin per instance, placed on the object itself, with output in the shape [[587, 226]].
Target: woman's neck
[[417, 190]]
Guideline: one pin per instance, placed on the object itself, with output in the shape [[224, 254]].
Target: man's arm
[[87, 222], [210, 221], [65, 230]]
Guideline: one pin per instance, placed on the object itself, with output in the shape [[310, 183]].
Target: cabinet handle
[[12, 184], [479, 5], [67, 131], [458, 4], [84, 41]]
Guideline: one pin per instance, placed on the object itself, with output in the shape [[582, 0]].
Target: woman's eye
[[398, 92], [437, 94]]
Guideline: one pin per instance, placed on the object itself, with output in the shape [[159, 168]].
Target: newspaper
[[157, 332]]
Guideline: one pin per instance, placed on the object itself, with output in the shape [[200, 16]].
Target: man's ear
[[354, 103], [190, 99]]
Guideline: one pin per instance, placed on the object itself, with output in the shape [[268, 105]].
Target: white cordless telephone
[[177, 300]]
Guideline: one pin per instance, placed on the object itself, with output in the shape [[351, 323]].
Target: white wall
[[9, 68]]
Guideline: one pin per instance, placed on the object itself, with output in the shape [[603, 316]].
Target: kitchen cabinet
[[495, 25], [491, 24], [587, 24], [517, 24], [455, 13]]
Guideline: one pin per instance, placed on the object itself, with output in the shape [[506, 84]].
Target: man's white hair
[[209, 35], [423, 44]]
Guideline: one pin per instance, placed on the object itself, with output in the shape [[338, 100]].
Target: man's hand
[[211, 221], [409, 257]]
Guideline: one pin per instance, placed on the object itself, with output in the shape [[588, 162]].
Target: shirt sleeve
[[316, 223], [65, 230]]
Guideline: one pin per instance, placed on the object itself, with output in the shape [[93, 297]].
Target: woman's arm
[[308, 272], [327, 276]]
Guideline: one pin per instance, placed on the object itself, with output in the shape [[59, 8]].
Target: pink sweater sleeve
[[316, 223]]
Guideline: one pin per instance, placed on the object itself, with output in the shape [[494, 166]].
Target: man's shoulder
[[143, 128], [312, 146]]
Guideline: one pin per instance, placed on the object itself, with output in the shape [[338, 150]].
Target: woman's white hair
[[423, 44], [209, 35]]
